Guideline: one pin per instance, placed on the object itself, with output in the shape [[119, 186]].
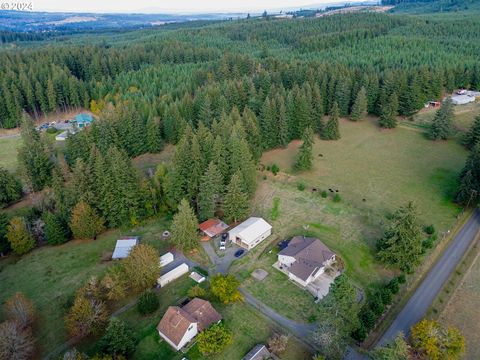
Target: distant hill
[[432, 6]]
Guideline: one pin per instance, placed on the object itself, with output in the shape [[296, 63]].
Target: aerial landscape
[[241, 180]]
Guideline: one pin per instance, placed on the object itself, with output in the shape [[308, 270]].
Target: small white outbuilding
[[166, 259], [124, 246], [250, 233], [172, 275]]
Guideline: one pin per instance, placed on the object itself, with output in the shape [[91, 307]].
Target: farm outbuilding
[[212, 228], [250, 233], [124, 246], [172, 275], [166, 259], [462, 99]]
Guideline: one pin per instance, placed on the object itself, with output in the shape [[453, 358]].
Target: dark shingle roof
[[310, 255]]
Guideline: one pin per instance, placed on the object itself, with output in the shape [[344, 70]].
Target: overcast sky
[[182, 6]]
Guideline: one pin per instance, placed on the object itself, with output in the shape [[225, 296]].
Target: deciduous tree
[[214, 339], [20, 309], [85, 222], [16, 343], [437, 342], [20, 239], [142, 267], [277, 343], [225, 288], [87, 316]]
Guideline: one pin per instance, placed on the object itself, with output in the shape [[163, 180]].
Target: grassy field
[[8, 152], [462, 310], [49, 276], [248, 326]]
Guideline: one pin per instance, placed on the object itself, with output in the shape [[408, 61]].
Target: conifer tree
[[331, 130], [34, 162], [442, 124], [401, 245], [184, 227], [389, 112], [282, 124], [359, 108], [305, 156], [210, 191], [469, 188], [154, 135], [472, 137], [10, 188], [55, 231], [4, 244], [240, 160], [235, 205], [20, 239]]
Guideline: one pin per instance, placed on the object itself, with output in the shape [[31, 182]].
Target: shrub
[[428, 243], [386, 296], [196, 291], [337, 198], [393, 285], [301, 185], [402, 279], [368, 318], [21, 241], [275, 169], [225, 288], [148, 302], [275, 212], [430, 229], [277, 343], [376, 305], [360, 333], [324, 194], [52, 130], [201, 271], [118, 339]]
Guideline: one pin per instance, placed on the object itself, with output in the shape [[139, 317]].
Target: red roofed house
[[180, 325], [212, 228]]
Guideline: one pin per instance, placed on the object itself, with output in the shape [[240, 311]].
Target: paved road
[[428, 290], [220, 263], [300, 330]]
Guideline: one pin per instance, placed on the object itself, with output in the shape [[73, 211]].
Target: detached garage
[[250, 233]]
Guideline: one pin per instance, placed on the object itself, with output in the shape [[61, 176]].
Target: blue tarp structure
[[83, 120]]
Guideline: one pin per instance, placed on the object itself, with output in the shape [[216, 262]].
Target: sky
[[172, 6]]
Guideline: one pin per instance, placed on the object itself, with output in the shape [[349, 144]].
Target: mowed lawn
[[8, 152], [463, 116], [462, 311], [49, 276]]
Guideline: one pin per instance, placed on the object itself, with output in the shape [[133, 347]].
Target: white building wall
[[297, 279], [173, 274], [251, 244], [189, 335]]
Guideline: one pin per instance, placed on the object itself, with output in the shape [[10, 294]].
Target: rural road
[[425, 294]]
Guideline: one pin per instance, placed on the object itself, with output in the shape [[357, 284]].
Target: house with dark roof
[[305, 259], [179, 325]]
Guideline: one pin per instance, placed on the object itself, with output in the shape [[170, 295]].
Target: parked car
[[239, 253], [224, 237], [222, 246]]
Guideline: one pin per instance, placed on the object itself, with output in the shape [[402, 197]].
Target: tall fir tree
[[184, 227], [401, 244], [55, 230], [209, 196], [331, 130], [4, 244], [305, 156], [34, 161], [442, 124], [235, 204], [10, 188], [472, 137], [359, 108], [389, 112], [469, 188], [282, 123], [154, 135]]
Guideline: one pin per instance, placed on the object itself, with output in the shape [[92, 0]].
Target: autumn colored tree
[[20, 309], [225, 288], [142, 268], [87, 316], [437, 342], [214, 339], [277, 343], [185, 227], [114, 284], [20, 239], [16, 342], [85, 222]]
